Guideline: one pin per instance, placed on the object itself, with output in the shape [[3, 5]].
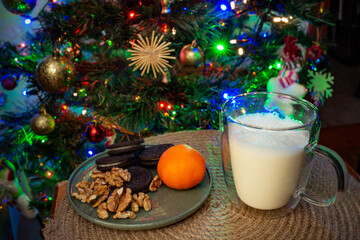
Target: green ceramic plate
[[169, 205]]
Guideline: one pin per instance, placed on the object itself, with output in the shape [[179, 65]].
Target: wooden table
[[216, 218]]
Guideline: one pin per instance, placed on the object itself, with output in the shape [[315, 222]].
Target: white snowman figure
[[287, 81], [14, 193]]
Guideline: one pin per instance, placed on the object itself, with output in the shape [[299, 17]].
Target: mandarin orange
[[181, 167]]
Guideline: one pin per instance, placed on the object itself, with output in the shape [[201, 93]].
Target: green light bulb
[[220, 47]]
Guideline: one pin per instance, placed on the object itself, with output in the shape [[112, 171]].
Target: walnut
[[139, 198], [125, 214], [81, 197], [114, 199], [123, 173], [143, 200], [83, 184], [97, 183], [125, 200], [97, 174], [102, 212], [83, 187], [155, 184], [134, 206], [147, 203], [84, 191], [99, 195], [102, 196], [113, 180]]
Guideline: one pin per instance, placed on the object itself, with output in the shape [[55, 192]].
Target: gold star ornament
[[151, 54]]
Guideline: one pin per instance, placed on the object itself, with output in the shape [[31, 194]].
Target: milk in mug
[[266, 164]]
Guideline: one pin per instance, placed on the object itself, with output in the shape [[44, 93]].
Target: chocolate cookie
[[125, 147], [151, 155], [106, 163], [140, 179]]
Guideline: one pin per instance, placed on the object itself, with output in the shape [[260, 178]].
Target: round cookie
[[107, 163], [125, 147], [140, 179], [151, 155]]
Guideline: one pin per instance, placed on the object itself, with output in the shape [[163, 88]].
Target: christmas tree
[[114, 70]]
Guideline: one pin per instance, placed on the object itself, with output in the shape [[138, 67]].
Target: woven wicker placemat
[[218, 219]]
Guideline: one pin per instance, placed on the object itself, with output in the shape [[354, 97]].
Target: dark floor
[[342, 109]]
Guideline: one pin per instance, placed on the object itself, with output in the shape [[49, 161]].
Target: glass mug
[[268, 144]]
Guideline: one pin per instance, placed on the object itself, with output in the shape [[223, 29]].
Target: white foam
[[286, 139]]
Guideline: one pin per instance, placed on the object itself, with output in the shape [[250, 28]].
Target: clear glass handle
[[342, 176]]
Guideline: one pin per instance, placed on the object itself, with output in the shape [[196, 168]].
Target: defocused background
[[340, 114]]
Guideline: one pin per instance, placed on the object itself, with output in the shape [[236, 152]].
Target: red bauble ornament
[[9, 82], [95, 133]]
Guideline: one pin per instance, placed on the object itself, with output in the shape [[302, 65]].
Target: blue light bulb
[[226, 96], [24, 92], [223, 7], [90, 152], [27, 21]]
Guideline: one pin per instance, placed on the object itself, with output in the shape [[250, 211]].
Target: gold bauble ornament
[[55, 74], [191, 55], [42, 123]]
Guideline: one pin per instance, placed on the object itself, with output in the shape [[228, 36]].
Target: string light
[[281, 19], [162, 105], [284, 19], [83, 111], [169, 106], [233, 41], [132, 14], [90, 153], [223, 7], [226, 96], [173, 31], [49, 174], [27, 21], [24, 92], [232, 4], [220, 47], [75, 94], [165, 28], [277, 19], [241, 51], [64, 107], [22, 45]]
